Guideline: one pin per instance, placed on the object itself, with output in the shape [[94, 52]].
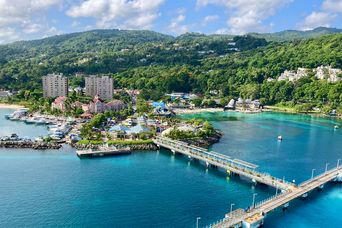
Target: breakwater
[[30, 144]]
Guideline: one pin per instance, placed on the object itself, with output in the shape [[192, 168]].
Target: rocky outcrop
[[205, 142], [30, 144]]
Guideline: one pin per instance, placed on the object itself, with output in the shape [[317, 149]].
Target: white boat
[[280, 138], [336, 127], [55, 137], [40, 121], [17, 114], [39, 139], [31, 120]]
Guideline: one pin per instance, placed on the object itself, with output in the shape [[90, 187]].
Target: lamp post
[[253, 204], [231, 207], [326, 167], [197, 219], [312, 173]]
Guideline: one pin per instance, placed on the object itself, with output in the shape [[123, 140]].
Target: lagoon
[[157, 189]]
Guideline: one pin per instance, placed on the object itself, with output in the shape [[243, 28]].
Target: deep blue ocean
[[157, 189]]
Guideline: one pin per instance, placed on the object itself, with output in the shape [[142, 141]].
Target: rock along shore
[[30, 144]]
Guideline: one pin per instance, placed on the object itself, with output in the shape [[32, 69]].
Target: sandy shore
[[197, 110], [11, 106]]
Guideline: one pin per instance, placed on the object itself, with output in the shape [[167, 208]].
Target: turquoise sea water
[[157, 189]]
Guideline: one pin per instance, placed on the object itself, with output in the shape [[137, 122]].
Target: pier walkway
[[254, 216], [232, 165]]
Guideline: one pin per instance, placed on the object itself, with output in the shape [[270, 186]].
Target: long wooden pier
[[254, 216]]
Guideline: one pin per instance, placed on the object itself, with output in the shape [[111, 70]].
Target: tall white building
[[101, 86], [55, 85]]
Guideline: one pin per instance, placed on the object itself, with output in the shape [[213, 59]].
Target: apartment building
[[101, 86], [55, 85]]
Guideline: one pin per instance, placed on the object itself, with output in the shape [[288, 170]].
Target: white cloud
[[209, 19], [133, 14], [24, 15], [329, 11], [176, 26], [30, 27], [316, 19], [8, 35], [334, 6], [247, 15]]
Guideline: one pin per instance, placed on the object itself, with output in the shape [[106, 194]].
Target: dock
[[253, 216], [102, 152]]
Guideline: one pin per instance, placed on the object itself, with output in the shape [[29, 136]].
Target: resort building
[[5, 94], [101, 86], [329, 73], [59, 104], [55, 85], [97, 105]]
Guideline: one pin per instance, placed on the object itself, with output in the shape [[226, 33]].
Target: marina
[[58, 127]]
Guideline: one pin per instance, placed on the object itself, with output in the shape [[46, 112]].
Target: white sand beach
[[11, 106]]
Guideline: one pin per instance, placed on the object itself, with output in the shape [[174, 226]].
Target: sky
[[34, 19]]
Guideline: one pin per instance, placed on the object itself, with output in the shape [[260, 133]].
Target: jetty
[[102, 152], [253, 216], [30, 144]]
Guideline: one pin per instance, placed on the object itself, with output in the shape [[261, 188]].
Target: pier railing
[[241, 167], [289, 191]]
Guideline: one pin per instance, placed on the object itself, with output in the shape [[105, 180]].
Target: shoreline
[[288, 111], [11, 106], [266, 109], [197, 110]]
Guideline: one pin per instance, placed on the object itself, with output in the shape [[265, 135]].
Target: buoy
[[280, 138]]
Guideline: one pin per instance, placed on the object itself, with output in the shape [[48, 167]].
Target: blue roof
[[158, 104], [139, 129], [119, 127]]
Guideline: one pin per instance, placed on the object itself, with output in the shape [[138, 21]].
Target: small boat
[[14, 137], [31, 120], [8, 116], [40, 121], [280, 138], [39, 139], [336, 127], [55, 137]]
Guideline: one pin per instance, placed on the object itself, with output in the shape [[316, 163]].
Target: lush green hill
[[109, 51], [158, 64], [291, 35]]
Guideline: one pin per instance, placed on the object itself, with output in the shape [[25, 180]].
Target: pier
[[254, 216], [232, 165], [102, 152]]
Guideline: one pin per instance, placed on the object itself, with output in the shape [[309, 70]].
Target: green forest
[[235, 66]]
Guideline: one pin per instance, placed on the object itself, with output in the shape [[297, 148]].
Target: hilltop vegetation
[[292, 35], [109, 51], [234, 66]]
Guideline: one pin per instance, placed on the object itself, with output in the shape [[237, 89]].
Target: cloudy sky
[[32, 19]]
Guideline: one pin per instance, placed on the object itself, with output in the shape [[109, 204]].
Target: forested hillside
[[292, 35], [109, 51], [157, 64]]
